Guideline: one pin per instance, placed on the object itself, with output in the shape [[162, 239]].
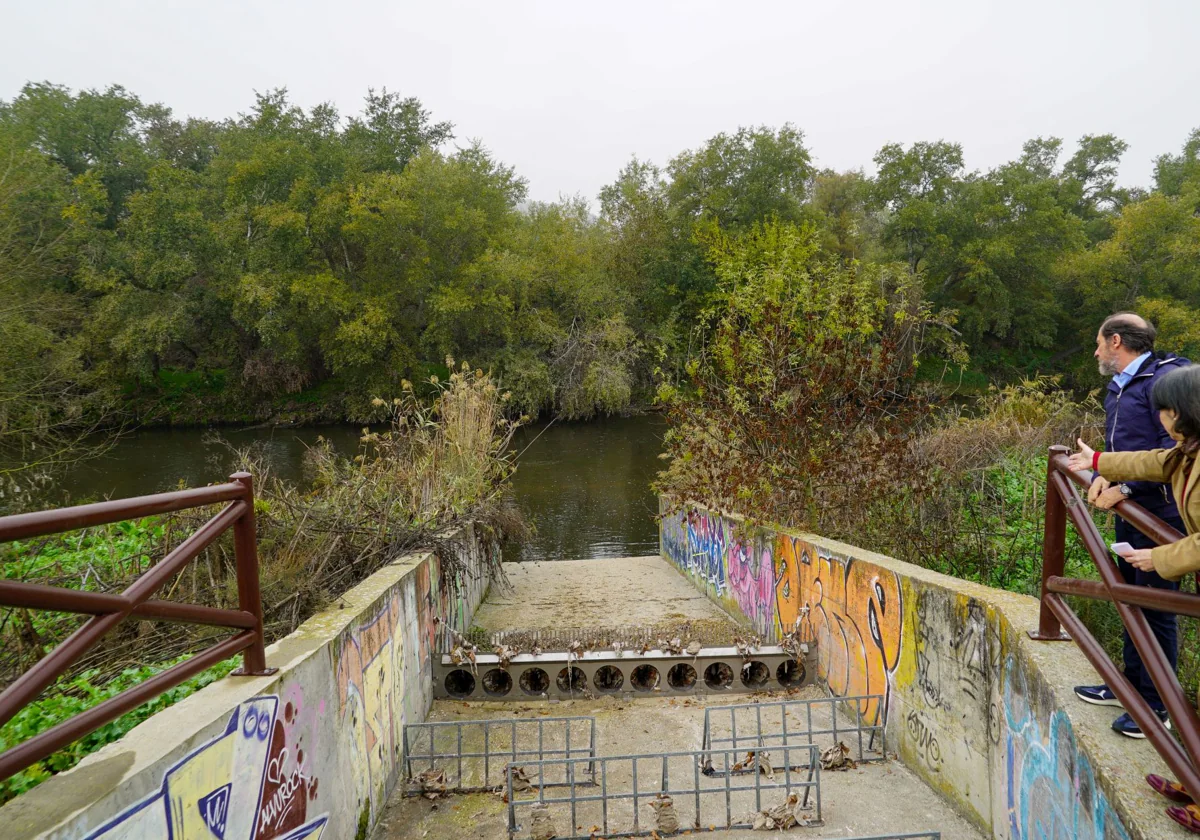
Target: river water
[[585, 487]]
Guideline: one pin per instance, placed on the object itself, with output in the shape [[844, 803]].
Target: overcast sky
[[567, 91]]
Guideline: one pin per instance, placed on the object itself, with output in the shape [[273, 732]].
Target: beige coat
[[1169, 466]]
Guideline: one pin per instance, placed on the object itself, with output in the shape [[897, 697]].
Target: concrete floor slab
[[608, 593], [872, 799]]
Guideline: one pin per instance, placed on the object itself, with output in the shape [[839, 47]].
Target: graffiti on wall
[[852, 609], [445, 602], [370, 691], [249, 783], [427, 614], [673, 539], [1052, 791], [854, 613], [706, 533], [752, 582]]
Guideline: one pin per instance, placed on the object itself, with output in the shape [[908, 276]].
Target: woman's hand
[[1082, 460], [1139, 558]]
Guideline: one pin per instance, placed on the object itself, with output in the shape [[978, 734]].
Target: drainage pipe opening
[[609, 678], [460, 683], [755, 674], [790, 674], [681, 677], [718, 675], [497, 683], [534, 681], [571, 682], [644, 678]]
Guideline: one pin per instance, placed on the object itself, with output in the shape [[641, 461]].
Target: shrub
[[802, 396]]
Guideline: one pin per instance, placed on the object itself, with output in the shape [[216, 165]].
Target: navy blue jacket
[[1131, 424]]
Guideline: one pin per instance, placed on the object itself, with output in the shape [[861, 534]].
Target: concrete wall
[[986, 715], [311, 752]]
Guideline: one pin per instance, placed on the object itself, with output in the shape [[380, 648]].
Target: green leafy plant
[[68, 697]]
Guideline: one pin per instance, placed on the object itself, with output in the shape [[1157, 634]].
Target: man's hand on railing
[[1104, 494], [1081, 461]]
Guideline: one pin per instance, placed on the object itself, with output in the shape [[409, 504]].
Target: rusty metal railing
[[1063, 502], [108, 610]]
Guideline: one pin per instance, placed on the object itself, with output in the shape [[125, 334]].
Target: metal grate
[[473, 753], [706, 632], [706, 786], [766, 725]]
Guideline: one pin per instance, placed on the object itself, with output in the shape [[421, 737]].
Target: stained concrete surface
[[621, 592], [875, 798]]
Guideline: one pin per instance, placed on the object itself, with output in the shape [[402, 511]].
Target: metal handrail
[[108, 610], [1063, 502]]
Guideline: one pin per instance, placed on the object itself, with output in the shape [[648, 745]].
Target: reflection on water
[[585, 487], [153, 460]]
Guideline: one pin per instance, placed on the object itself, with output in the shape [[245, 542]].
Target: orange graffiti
[[359, 650], [854, 616], [787, 583]]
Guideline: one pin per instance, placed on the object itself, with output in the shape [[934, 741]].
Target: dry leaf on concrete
[[433, 783], [505, 654], [541, 828], [520, 781], [779, 818], [837, 757], [665, 819]]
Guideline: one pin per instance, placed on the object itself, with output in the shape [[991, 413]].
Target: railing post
[[245, 548], [1054, 547]]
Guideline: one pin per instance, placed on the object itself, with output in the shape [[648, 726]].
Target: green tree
[[742, 178], [1152, 256], [49, 402], [916, 188], [94, 132], [1179, 175]]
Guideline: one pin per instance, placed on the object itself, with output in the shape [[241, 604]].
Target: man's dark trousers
[[1162, 624]]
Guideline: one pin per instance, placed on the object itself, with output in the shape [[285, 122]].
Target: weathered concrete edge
[[1121, 763], [92, 798], [1047, 671]]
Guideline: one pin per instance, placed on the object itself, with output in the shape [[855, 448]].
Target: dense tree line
[[292, 262]]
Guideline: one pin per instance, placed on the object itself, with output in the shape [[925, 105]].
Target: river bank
[[583, 486]]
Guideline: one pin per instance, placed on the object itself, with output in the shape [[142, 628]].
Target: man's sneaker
[[1097, 695], [1126, 725]]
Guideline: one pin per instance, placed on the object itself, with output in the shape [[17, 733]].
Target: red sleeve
[[1096, 461]]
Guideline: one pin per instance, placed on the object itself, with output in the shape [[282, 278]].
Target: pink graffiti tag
[[752, 580]]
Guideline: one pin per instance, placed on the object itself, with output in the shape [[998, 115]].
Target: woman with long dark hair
[[1176, 397]]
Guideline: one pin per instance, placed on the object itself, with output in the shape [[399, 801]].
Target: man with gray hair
[[1125, 351]]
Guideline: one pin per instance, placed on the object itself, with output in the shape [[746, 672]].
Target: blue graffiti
[[695, 542], [674, 539], [706, 548], [1052, 791], [214, 808]]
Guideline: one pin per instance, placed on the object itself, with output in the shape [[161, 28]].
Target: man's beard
[[1108, 367]]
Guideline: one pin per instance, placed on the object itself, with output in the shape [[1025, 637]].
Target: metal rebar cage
[[820, 721], [709, 787], [473, 753]]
